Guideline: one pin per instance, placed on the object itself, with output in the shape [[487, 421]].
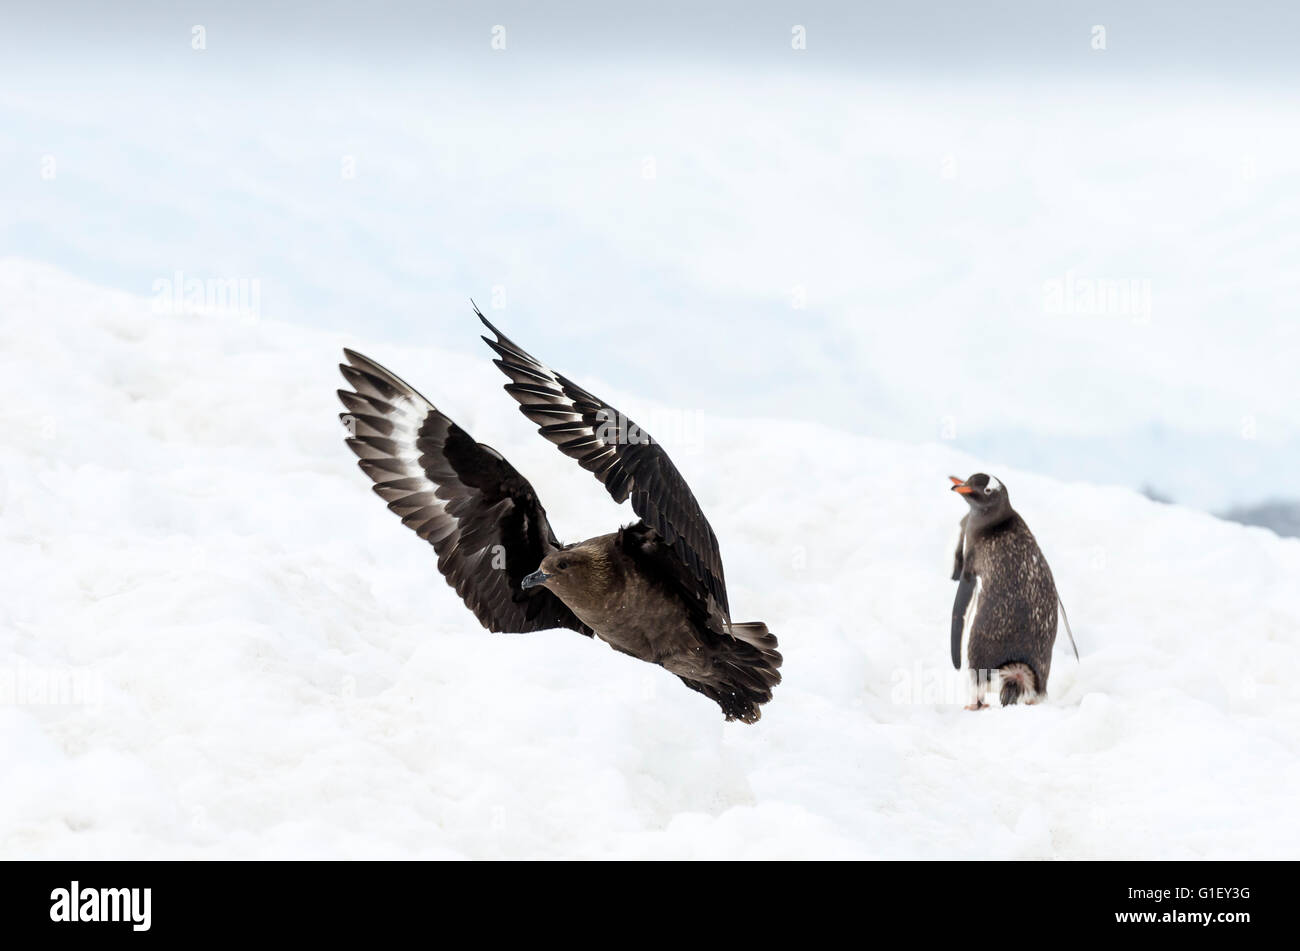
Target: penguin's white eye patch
[[993, 486]]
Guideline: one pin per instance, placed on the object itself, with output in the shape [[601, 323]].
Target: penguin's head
[[983, 493]]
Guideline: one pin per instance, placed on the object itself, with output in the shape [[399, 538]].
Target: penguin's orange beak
[[959, 486]]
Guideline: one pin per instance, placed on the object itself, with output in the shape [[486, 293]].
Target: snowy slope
[[267, 664]]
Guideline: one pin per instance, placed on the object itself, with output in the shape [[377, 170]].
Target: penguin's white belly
[[968, 621]]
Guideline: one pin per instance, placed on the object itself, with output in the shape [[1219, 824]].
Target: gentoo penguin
[[653, 589], [1004, 617]]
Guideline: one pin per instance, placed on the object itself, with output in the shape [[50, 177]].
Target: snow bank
[[252, 657]]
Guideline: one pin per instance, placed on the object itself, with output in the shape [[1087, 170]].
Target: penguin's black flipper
[[959, 556], [965, 590]]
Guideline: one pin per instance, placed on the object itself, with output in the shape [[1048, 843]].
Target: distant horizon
[[677, 426]]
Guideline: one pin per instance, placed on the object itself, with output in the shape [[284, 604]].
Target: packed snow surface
[[216, 641]]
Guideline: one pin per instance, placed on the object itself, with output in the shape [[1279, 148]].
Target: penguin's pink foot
[[977, 705]]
